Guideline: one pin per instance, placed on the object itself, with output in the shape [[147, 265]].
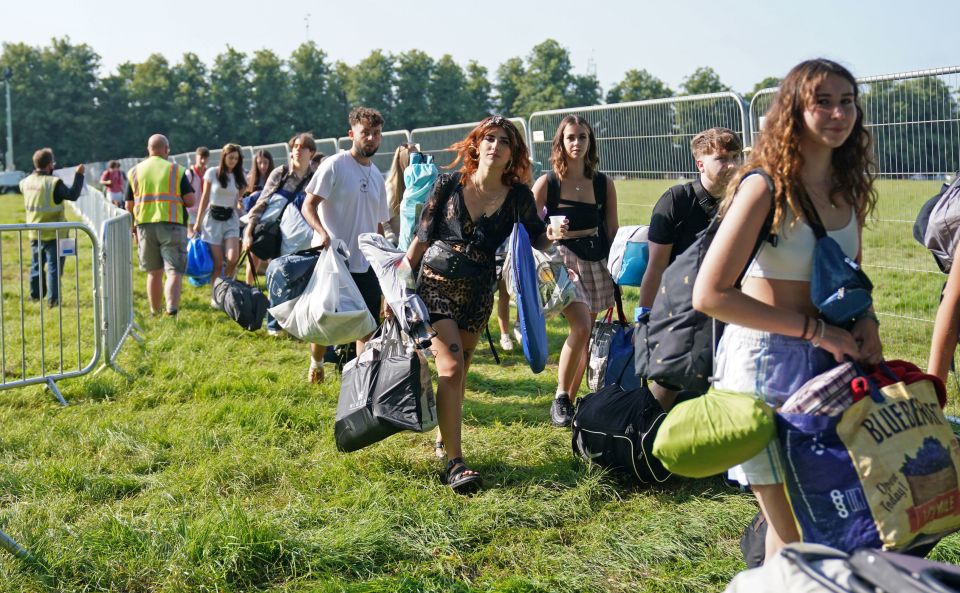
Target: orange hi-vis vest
[[155, 183]]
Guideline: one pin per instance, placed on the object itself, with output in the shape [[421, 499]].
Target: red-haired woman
[[817, 151], [584, 242], [467, 216]]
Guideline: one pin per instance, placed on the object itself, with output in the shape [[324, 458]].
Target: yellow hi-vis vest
[[38, 201], [155, 183]]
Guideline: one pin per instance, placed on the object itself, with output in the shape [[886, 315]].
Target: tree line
[[62, 99]]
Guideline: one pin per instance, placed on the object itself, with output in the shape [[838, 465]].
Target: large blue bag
[[199, 261], [611, 353], [533, 328], [288, 275], [419, 177]]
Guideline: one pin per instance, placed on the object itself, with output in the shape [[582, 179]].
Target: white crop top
[[792, 258]]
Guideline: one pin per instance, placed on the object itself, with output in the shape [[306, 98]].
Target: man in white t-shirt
[[347, 197]]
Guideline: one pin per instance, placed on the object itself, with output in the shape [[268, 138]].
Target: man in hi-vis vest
[[158, 195], [43, 197]]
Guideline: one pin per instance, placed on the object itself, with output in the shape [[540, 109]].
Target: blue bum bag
[[839, 288]]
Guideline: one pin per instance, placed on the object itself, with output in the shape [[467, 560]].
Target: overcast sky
[[743, 41]]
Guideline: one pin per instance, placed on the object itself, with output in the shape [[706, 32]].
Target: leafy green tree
[[447, 92], [548, 82], [371, 83], [230, 98], [414, 74], [115, 137], [638, 85], [271, 115], [319, 101], [53, 95], [191, 105], [766, 83], [478, 103], [510, 76], [151, 89], [703, 80]]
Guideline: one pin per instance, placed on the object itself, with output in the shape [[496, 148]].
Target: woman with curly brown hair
[[588, 201], [467, 216], [817, 151]]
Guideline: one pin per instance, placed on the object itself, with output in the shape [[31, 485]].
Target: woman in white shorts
[[816, 150], [218, 219]]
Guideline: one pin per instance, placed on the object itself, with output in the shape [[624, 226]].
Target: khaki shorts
[[162, 245]]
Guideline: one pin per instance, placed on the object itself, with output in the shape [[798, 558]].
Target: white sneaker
[[276, 333], [517, 334], [213, 303], [506, 343]]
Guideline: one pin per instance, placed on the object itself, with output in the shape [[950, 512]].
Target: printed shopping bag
[[881, 474]]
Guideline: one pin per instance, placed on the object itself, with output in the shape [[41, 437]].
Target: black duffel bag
[[385, 390], [615, 429]]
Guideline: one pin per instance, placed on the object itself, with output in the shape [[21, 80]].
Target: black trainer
[[561, 412]]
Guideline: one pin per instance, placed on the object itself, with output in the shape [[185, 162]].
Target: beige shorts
[[162, 245]]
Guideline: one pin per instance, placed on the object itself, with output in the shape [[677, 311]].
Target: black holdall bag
[[615, 429], [241, 302], [673, 342], [386, 389]]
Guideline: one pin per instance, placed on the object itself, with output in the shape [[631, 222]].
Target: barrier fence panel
[[279, 151], [436, 141], [914, 118], [112, 226], [327, 146], [388, 144], [644, 145], [43, 342]]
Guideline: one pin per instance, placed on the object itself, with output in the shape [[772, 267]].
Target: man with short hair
[[347, 197], [682, 212], [158, 195], [43, 197], [195, 177]]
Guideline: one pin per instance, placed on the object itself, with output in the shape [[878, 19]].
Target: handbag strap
[[256, 277], [493, 349], [618, 298]]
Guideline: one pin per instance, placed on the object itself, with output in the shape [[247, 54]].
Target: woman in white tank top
[[816, 149]]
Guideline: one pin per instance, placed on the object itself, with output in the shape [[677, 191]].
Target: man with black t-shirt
[[683, 211]]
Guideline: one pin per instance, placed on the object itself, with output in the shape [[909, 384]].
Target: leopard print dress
[[468, 301]]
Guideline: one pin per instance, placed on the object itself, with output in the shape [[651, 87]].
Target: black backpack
[[615, 429], [244, 304], [674, 342], [267, 237]]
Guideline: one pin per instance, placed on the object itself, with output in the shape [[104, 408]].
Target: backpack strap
[[553, 191], [813, 219]]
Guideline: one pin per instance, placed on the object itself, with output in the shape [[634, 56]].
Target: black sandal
[[461, 478]]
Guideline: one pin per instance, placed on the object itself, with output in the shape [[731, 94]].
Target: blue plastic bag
[[635, 258], [533, 328], [199, 260], [419, 177]]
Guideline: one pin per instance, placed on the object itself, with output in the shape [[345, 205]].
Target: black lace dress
[[469, 301]]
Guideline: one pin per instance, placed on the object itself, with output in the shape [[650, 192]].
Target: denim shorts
[[215, 232], [772, 367]]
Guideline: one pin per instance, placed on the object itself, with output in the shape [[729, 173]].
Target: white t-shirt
[[219, 195], [354, 202]]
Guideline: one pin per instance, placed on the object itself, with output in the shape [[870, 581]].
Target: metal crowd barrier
[[914, 118], [40, 343], [435, 141], [112, 226], [384, 157]]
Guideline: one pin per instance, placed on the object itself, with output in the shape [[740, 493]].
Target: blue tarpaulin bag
[[288, 275], [533, 328], [199, 261], [419, 177], [611, 352]]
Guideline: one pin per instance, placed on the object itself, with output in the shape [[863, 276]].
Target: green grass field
[[215, 470]]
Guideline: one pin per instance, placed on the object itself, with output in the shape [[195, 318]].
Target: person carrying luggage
[[816, 149], [467, 216]]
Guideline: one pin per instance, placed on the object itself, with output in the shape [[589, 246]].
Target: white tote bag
[[331, 309], [295, 233]]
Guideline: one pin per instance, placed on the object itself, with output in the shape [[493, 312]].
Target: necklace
[[365, 181], [816, 197]]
